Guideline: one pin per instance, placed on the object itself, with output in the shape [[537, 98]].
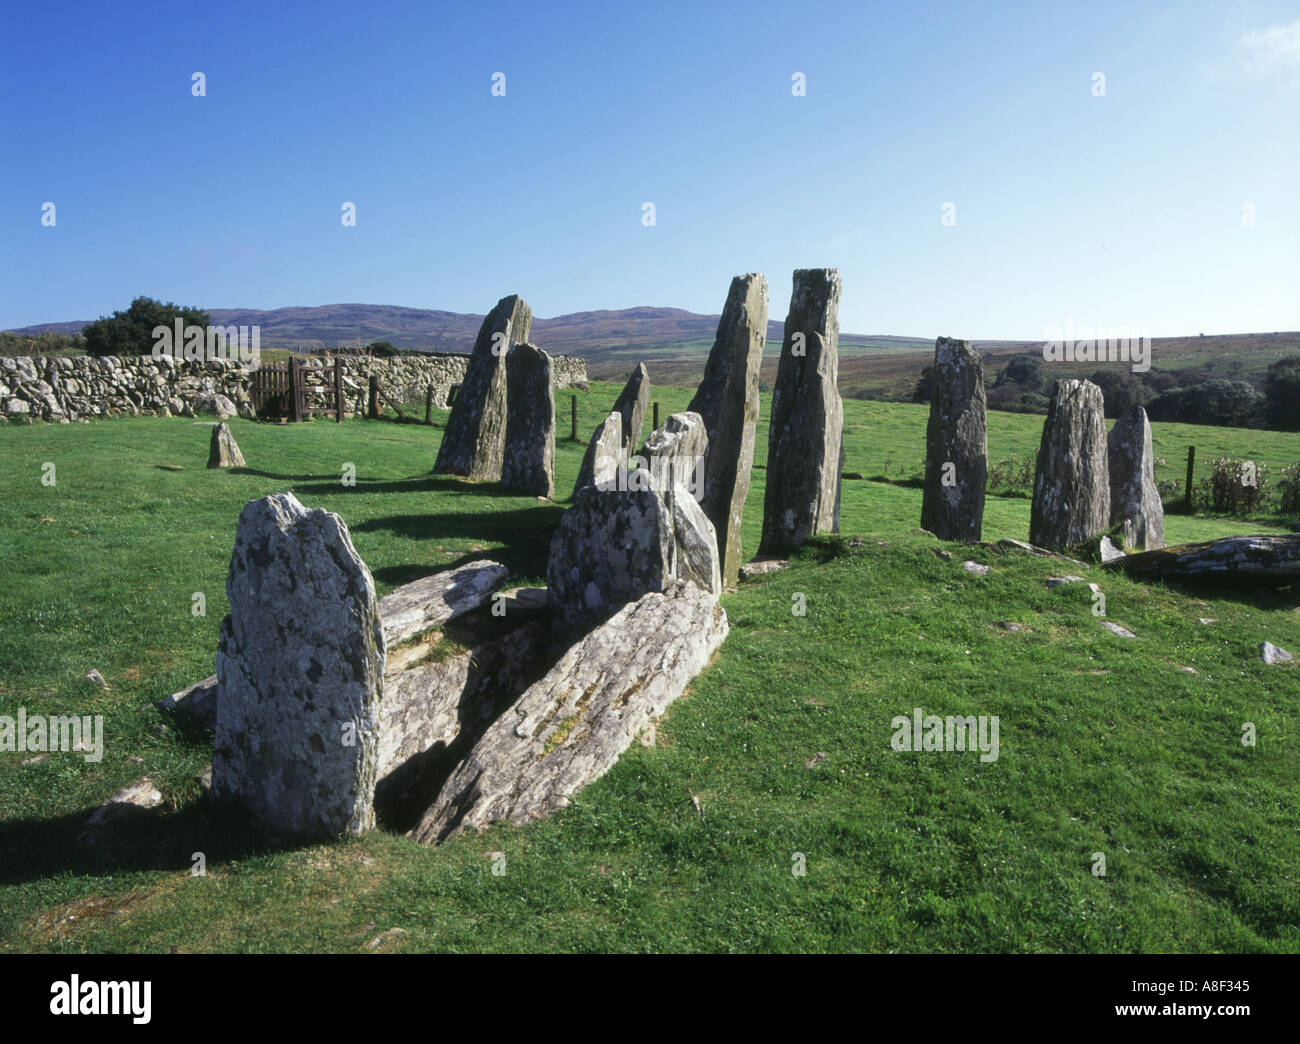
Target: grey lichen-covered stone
[[197, 702], [223, 451], [1271, 654], [805, 441], [727, 400], [300, 671], [956, 449], [528, 461], [433, 600], [697, 543], [474, 440], [631, 407], [1071, 481], [609, 549], [1134, 499], [676, 452], [607, 454], [217, 404], [1269, 559], [570, 727]]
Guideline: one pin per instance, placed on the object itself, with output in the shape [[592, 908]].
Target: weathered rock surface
[[1134, 499], [223, 451], [1117, 630], [675, 454], [805, 442], [697, 543], [198, 702], [1071, 480], [757, 567], [727, 400], [570, 727], [528, 463], [474, 440], [631, 406], [956, 449], [433, 600], [215, 403], [609, 549], [299, 674], [607, 454], [1271, 654], [1272, 559]]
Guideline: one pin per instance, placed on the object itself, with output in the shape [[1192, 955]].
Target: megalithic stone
[[805, 441], [1134, 498], [528, 461], [727, 399], [956, 448], [300, 673], [473, 443], [1071, 480], [631, 406]]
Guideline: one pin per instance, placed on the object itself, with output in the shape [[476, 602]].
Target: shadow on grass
[[134, 839], [525, 536]]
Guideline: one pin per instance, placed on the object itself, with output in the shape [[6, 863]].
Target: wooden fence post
[[573, 414], [296, 390], [428, 406], [655, 425], [373, 409], [1191, 464], [338, 390]]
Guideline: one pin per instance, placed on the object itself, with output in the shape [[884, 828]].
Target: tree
[[1024, 370], [1282, 394], [924, 390], [131, 332], [1121, 390], [1226, 403]]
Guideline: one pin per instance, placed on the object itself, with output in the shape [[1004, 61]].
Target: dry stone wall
[[81, 387]]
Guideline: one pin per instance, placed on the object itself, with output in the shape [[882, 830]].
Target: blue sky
[[1125, 208]]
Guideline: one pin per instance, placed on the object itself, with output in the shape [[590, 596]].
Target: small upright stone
[[727, 400], [675, 454], [528, 461], [631, 407], [300, 671], [608, 455], [1134, 499], [223, 451], [474, 440], [956, 450], [805, 448], [1071, 482]]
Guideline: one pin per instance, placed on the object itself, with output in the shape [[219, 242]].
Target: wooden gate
[[280, 392]]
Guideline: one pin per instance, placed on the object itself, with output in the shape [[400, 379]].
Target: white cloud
[[1266, 51]]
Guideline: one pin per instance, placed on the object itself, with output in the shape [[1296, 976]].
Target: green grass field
[[1107, 745]]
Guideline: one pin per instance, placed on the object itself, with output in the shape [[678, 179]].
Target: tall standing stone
[[1134, 499], [727, 399], [1071, 480], [956, 449], [300, 671], [631, 407], [528, 460], [805, 442], [474, 441]]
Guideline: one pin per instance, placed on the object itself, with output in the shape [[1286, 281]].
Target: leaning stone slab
[[223, 452], [528, 461], [300, 671], [1071, 481], [675, 454], [956, 449], [609, 549], [569, 728], [1271, 559], [474, 440], [631, 407], [727, 400], [607, 457], [431, 601], [1134, 499], [805, 453], [757, 567]]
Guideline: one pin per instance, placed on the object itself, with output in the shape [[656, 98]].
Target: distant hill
[[675, 343]]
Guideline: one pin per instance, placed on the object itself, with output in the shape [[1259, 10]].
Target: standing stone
[[608, 455], [1134, 499], [1071, 481], [631, 406], [300, 671], [528, 462], [675, 458], [956, 450], [805, 442], [474, 441], [223, 451], [609, 549], [727, 399]]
